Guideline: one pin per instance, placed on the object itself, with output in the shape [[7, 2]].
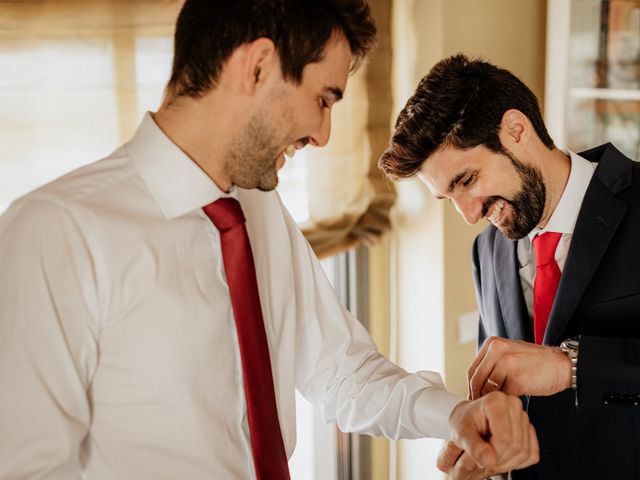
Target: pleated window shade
[[77, 77]]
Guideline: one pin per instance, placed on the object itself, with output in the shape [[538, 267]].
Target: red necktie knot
[[225, 213], [545, 246]]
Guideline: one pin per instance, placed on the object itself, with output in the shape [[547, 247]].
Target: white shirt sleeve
[[48, 351], [339, 367]]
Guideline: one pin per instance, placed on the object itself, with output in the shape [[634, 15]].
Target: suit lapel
[[512, 304], [599, 218]]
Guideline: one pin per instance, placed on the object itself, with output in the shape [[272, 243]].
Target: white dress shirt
[[118, 349], [563, 220]]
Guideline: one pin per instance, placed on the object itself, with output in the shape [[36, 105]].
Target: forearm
[[365, 393]]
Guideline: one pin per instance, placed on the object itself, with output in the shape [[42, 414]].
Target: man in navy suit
[[557, 271]]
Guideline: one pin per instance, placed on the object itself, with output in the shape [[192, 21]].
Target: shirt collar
[[564, 217], [176, 182]]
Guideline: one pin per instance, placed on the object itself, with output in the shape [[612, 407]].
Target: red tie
[[269, 456], [546, 283]]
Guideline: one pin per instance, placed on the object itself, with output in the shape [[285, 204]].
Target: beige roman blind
[[78, 75]]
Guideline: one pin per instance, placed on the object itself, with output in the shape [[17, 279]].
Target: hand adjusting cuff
[[570, 347]]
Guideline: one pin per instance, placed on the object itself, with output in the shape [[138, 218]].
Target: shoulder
[[44, 231], [92, 180], [94, 189]]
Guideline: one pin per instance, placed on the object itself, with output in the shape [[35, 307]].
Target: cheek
[[488, 187]]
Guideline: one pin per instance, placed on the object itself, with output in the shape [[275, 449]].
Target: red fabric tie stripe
[[546, 282], [269, 456]]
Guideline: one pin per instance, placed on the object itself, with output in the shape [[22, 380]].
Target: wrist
[[457, 410], [456, 418], [564, 370]]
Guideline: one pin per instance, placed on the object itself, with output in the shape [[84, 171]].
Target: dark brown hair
[[460, 102], [208, 31]]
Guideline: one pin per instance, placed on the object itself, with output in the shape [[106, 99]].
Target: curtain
[[54, 119]]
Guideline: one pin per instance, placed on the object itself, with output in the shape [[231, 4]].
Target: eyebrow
[[335, 92]]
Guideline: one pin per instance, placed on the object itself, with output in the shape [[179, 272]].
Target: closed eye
[[469, 180], [464, 178]]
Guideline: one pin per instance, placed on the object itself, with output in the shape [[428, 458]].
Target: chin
[[267, 185], [514, 233], [267, 188], [264, 183]]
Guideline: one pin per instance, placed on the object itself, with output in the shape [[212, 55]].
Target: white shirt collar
[[176, 182], [564, 217]]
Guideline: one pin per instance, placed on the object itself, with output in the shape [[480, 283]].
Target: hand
[[495, 432], [518, 368], [458, 465]]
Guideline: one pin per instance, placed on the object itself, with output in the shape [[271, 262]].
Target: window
[[54, 119]]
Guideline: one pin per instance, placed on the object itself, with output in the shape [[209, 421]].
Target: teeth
[[290, 151], [496, 210]]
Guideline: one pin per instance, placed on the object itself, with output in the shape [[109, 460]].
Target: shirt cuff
[[434, 409]]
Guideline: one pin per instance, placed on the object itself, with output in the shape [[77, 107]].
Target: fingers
[[482, 368], [494, 383], [469, 428], [534, 447], [495, 433], [448, 456], [518, 368], [468, 424], [466, 469], [513, 448], [474, 365], [458, 465], [516, 445], [503, 425]]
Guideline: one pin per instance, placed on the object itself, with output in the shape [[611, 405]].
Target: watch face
[[572, 343]]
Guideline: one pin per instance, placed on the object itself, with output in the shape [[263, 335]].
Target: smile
[[496, 210], [290, 151]]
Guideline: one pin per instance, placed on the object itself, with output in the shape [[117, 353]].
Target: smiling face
[[288, 117], [485, 184]]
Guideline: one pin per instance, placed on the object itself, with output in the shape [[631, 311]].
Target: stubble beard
[[527, 205], [252, 158]]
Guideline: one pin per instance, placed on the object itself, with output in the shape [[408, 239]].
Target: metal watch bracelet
[[570, 347]]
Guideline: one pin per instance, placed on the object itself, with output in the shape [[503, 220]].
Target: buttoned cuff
[[434, 410]]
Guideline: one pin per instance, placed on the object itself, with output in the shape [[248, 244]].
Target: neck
[[555, 166], [195, 127]]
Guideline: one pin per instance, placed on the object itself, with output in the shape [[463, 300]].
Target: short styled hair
[[208, 31], [459, 103]]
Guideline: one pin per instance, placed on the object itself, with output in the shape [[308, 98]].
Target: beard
[[253, 154], [527, 205]]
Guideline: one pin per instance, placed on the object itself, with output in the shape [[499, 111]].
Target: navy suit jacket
[[598, 300]]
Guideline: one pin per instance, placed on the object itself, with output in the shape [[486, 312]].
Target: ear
[[259, 62], [515, 128]]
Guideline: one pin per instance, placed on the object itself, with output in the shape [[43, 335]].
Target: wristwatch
[[570, 348]]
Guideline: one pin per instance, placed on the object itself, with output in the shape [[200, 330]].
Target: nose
[[469, 208], [321, 136]]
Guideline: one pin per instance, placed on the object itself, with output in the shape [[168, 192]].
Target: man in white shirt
[[121, 348], [556, 272]]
